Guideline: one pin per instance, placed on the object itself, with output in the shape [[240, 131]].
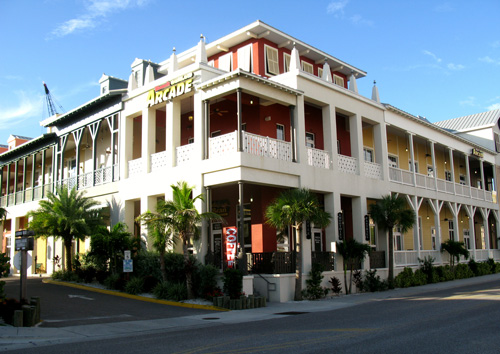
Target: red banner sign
[[231, 235]]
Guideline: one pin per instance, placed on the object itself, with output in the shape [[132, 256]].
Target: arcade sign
[[170, 89], [478, 153]]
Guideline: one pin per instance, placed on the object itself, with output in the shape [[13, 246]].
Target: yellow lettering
[[189, 86], [165, 94], [180, 89], [151, 98], [158, 98], [172, 93]]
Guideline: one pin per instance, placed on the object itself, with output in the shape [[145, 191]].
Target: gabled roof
[[472, 122]]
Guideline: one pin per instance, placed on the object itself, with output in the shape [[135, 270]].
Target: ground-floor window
[[398, 239], [467, 239], [433, 237]]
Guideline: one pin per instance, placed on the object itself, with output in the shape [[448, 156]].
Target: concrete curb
[[134, 297]]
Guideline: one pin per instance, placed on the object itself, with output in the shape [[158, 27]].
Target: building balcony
[[405, 177]]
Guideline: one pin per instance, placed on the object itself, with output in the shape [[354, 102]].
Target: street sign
[[126, 254], [24, 244], [128, 265]]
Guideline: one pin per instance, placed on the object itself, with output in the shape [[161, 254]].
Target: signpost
[[24, 243]]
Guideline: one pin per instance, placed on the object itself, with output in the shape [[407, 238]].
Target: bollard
[[35, 301], [226, 302], [17, 320], [243, 300], [28, 316], [251, 302]]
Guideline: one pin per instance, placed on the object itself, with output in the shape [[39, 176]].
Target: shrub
[[208, 279], [233, 283], [445, 273], [177, 292], [86, 273], [372, 282], [7, 309], [149, 283], [336, 287], [419, 278], [473, 266], [483, 268], [427, 266], [175, 267], [492, 264], [404, 279], [314, 290], [134, 286], [115, 282], [358, 280], [160, 291], [463, 271]]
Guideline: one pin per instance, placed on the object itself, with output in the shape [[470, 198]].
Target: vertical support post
[[206, 121], [33, 170], [293, 133], [242, 256], [43, 173], [239, 139]]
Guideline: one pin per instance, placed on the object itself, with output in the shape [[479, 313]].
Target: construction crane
[[51, 107]]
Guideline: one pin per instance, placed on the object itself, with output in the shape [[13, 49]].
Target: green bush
[[65, 275], [160, 291], [463, 271], [404, 279], [208, 279], [233, 283], [175, 267], [177, 292], [427, 266], [372, 282], [473, 266], [134, 286], [419, 278], [149, 283], [483, 268], [336, 285], [492, 264], [4, 272], [314, 290], [445, 273], [115, 282], [147, 263]]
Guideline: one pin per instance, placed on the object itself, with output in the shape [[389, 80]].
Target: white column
[[381, 152], [356, 135], [330, 134], [433, 158], [173, 130], [452, 169], [412, 158], [359, 210], [147, 203], [300, 130], [126, 144], [148, 137], [198, 126], [483, 185]]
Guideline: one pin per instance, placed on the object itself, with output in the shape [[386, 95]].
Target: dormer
[[3, 148], [110, 83], [16, 140], [143, 71]]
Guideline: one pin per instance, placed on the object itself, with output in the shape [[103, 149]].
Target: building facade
[[242, 119]]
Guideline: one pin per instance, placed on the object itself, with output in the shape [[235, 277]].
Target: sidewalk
[[17, 338]]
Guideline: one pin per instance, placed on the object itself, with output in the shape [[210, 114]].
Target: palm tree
[[291, 209], [108, 245], [180, 217], [352, 252], [67, 215], [455, 249], [3, 214], [159, 228], [388, 212]]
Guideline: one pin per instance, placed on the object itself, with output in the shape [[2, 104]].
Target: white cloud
[[30, 105], [469, 101], [452, 66], [359, 20], [489, 60], [337, 7], [444, 7], [432, 55], [95, 12], [494, 106]]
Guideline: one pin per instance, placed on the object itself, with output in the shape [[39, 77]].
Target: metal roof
[[471, 122]]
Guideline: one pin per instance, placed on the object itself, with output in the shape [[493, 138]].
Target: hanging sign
[[478, 153], [231, 235], [170, 89], [340, 223], [367, 228]]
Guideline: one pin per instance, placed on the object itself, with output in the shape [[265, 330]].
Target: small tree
[[4, 272], [108, 245], [387, 213], [291, 209], [352, 253], [68, 215], [455, 249]]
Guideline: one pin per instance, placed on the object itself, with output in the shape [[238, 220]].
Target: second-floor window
[[245, 58], [280, 132], [430, 171], [447, 175], [338, 80], [286, 60], [462, 180], [307, 67], [226, 62], [393, 161], [310, 140], [410, 166], [368, 154], [320, 72], [451, 230], [272, 66]]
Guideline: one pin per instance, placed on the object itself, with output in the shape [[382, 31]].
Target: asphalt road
[[63, 306], [455, 320]]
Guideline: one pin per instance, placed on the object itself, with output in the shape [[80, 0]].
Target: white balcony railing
[[373, 170], [134, 167], [158, 161], [318, 158], [222, 145], [267, 147], [348, 164], [184, 153]]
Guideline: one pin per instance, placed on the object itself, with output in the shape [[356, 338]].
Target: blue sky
[[438, 59]]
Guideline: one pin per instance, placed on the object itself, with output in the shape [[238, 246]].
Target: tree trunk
[[162, 265], [67, 248], [390, 278], [188, 266], [298, 265], [345, 277]]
